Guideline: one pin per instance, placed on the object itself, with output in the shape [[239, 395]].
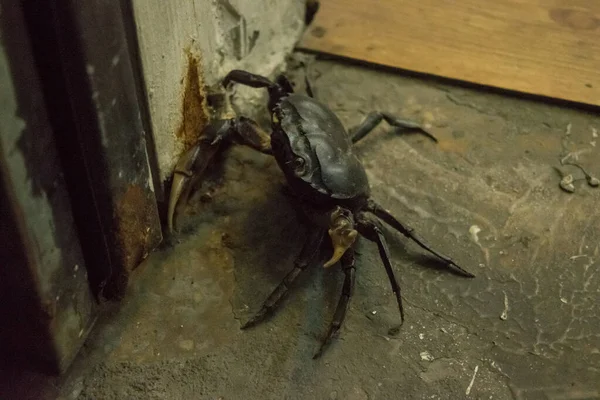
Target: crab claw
[[194, 161], [182, 174], [342, 234]]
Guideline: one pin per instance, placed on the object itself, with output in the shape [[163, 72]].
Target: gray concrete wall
[[187, 44]]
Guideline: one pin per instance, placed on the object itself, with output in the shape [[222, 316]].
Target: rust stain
[[194, 110], [453, 146], [135, 216]]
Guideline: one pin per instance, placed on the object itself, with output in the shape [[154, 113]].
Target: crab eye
[[299, 165]]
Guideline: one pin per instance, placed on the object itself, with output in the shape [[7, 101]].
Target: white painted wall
[[255, 35]]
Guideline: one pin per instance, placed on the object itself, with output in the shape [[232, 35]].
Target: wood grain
[[542, 47]]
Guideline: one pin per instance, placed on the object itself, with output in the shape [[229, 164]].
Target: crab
[[325, 179]]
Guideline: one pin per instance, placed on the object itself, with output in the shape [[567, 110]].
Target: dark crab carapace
[[325, 178]]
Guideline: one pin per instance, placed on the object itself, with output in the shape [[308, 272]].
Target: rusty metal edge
[[100, 100]]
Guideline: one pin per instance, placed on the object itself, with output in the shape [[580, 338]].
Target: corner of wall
[[218, 36]]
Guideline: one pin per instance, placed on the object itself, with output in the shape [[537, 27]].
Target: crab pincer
[[192, 164]]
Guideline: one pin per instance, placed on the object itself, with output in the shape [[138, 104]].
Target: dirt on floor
[[527, 327]]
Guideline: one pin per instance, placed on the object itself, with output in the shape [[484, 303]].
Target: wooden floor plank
[[543, 47]]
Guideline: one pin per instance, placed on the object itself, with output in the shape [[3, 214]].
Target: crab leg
[[410, 233], [309, 252], [370, 230], [374, 118], [349, 269]]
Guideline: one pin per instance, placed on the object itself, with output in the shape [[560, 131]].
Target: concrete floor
[[526, 327]]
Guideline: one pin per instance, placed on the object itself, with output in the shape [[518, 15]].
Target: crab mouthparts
[[342, 234]]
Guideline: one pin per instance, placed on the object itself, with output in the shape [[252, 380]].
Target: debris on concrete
[[468, 391], [566, 183], [504, 315], [474, 231], [570, 158]]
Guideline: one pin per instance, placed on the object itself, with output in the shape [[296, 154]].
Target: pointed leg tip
[[428, 134], [466, 273], [394, 330], [253, 321], [319, 352], [461, 270], [246, 325], [323, 346], [171, 229]]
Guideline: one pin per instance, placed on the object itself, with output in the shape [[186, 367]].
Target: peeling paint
[[34, 200], [55, 303]]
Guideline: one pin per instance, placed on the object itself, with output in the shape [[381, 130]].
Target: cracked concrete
[[486, 195]]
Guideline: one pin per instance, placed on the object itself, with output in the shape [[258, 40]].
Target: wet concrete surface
[[527, 327]]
